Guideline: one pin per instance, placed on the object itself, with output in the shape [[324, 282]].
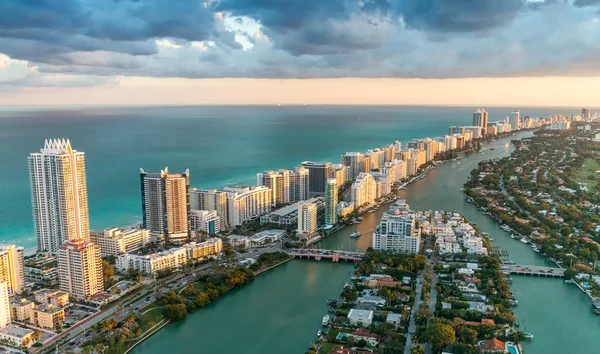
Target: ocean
[[221, 145]]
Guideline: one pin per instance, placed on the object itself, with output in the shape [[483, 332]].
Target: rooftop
[[15, 331]]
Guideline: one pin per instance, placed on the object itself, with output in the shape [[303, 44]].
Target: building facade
[[80, 269], [397, 230], [307, 218], [58, 195], [480, 119], [166, 205], [318, 173], [515, 120], [211, 199], [205, 221], [114, 241], [364, 190], [11, 268], [331, 201], [247, 203]]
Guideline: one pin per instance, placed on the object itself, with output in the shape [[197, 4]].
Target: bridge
[[533, 270], [319, 254]]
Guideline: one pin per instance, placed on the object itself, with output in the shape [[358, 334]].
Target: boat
[[528, 335], [319, 332], [513, 236], [524, 240], [568, 281], [513, 302], [355, 234], [492, 148], [325, 320]]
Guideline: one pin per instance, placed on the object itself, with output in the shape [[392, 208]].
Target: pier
[[319, 254], [502, 253], [533, 270]]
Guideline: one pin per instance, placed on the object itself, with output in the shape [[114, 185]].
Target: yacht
[[513, 236], [319, 332], [325, 320], [528, 335], [355, 234], [524, 240]]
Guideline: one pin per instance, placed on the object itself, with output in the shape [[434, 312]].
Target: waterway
[[281, 310]]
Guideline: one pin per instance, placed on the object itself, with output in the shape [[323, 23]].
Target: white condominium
[[4, 305], [114, 241], [11, 268], [80, 269], [331, 201], [245, 203], [307, 217], [515, 120], [364, 190], [299, 184], [341, 173], [397, 230], [58, 194], [166, 205], [211, 199], [205, 221], [450, 141], [170, 259]]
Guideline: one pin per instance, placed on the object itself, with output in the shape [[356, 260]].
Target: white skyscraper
[[307, 218], [58, 194], [4, 305], [515, 120], [397, 230]]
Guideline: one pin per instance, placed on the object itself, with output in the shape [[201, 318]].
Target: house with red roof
[[492, 346]]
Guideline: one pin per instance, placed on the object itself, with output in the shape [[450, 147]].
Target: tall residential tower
[[58, 195], [80, 269], [331, 201], [480, 119], [166, 205]]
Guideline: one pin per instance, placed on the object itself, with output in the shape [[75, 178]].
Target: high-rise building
[[355, 163], [319, 172], [397, 230], [11, 268], [278, 184], [247, 203], [166, 205], [456, 130], [340, 173], [307, 218], [58, 194], [585, 113], [331, 201], [80, 269], [364, 190], [4, 305], [205, 221], [299, 184], [211, 199], [480, 119], [515, 120], [115, 241]]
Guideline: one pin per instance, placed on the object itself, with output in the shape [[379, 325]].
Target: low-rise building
[[21, 309], [492, 346], [115, 241], [239, 241], [45, 276], [362, 318], [205, 222], [371, 300], [266, 236], [362, 334], [53, 297], [48, 317], [17, 336], [287, 216], [151, 264], [393, 318], [200, 250]]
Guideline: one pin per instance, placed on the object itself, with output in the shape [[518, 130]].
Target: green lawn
[[154, 315], [590, 166], [200, 285], [327, 347]]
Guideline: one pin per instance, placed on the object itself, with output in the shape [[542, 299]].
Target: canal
[[281, 310]]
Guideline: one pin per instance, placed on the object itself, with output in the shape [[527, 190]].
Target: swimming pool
[[512, 349], [341, 336]]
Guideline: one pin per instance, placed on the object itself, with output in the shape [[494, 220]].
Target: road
[[78, 334], [412, 326], [432, 302]]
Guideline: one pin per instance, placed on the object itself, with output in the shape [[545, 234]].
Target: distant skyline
[[471, 52]]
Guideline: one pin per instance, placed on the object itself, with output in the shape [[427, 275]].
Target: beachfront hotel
[[115, 241], [11, 268], [213, 200], [318, 173], [397, 230], [480, 119], [307, 218], [363, 190], [58, 194], [331, 201], [205, 222], [170, 259], [80, 269], [166, 205], [247, 203], [286, 186]]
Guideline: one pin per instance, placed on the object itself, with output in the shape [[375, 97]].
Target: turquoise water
[[220, 145], [341, 336]]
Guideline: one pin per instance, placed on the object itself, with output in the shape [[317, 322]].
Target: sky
[[450, 52]]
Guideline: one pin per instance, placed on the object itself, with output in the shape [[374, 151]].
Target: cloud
[[99, 39]]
